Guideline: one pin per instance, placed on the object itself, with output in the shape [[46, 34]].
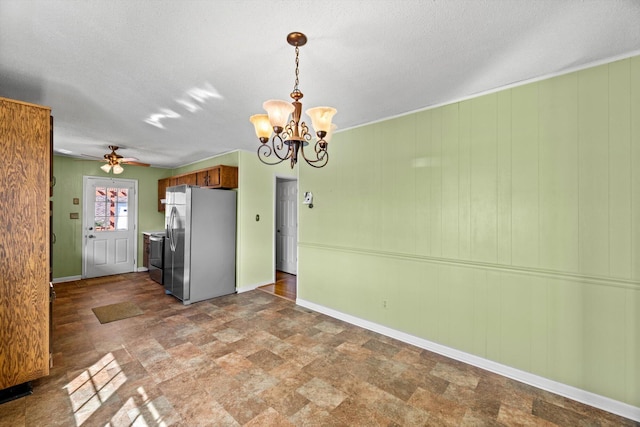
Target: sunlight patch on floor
[[91, 388]]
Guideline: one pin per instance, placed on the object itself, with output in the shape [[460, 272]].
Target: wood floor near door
[[285, 286], [254, 359]]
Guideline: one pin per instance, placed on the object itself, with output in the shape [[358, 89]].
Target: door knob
[[91, 236]]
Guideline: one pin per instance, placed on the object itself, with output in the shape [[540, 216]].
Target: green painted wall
[[506, 226], [69, 172], [256, 247], [256, 196]]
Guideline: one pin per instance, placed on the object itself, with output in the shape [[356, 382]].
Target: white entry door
[[287, 225], [109, 226]]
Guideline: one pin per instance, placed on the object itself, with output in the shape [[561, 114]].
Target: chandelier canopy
[[290, 135]]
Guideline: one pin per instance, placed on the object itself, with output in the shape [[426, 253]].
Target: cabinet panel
[[24, 233], [162, 192], [228, 177], [202, 178], [145, 251], [189, 179]]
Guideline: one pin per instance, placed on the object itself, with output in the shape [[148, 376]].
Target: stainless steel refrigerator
[[200, 246]]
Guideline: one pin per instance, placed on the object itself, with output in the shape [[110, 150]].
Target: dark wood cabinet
[[146, 248], [162, 192], [188, 179], [25, 302], [220, 176]]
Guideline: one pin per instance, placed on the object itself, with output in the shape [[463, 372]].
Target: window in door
[[111, 209]]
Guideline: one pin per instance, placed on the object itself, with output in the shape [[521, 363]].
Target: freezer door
[[176, 261], [175, 283]]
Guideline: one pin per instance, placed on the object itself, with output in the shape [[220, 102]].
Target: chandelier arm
[[265, 151], [304, 132], [289, 130], [280, 148], [322, 157]]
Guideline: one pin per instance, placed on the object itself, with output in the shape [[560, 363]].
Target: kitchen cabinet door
[[162, 189], [25, 136]]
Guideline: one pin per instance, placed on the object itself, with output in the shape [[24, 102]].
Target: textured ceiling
[[175, 81]]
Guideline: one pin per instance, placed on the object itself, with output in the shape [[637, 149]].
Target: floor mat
[[119, 311]]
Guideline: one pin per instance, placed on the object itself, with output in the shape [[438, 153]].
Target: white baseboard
[[66, 279], [251, 287], [583, 396], [141, 269]]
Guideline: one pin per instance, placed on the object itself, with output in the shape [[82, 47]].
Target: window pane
[[99, 223], [111, 209], [101, 194]]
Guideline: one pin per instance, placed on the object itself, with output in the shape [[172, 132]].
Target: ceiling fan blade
[[134, 163], [90, 157], [114, 158]]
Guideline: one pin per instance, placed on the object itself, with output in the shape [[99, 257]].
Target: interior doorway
[[286, 233], [286, 240]]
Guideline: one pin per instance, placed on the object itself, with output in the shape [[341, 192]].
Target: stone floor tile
[[256, 359]]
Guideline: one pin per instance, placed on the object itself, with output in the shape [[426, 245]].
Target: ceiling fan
[[115, 161]]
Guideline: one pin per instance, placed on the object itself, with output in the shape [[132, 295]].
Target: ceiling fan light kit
[[290, 135], [115, 161]]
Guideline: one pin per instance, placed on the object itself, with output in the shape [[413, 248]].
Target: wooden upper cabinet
[[220, 176], [188, 179], [162, 192], [25, 177]]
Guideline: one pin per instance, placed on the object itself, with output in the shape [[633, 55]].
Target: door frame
[[85, 183], [275, 219]]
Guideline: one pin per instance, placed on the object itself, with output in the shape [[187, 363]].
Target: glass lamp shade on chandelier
[[116, 167], [290, 135]]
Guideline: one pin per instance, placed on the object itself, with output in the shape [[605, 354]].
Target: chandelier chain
[[295, 86]]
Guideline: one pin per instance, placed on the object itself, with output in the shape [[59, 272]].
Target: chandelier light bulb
[[321, 118], [262, 126], [106, 167], [278, 111], [117, 169]]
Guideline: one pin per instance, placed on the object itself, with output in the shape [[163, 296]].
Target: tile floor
[[255, 359]]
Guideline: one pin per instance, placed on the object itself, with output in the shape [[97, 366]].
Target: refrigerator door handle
[[172, 219]]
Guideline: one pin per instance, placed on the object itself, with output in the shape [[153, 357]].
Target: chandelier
[[291, 136]]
